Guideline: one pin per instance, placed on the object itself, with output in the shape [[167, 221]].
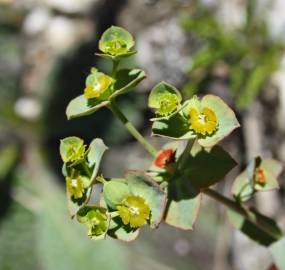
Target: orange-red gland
[[260, 176], [165, 158]]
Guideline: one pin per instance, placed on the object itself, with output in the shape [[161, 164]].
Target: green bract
[[209, 120], [116, 43], [125, 81], [260, 175], [165, 99], [81, 173], [115, 192], [97, 220], [96, 151], [136, 184], [137, 200], [72, 149]]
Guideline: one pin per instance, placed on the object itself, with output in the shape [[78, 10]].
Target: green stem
[[130, 127], [241, 211], [115, 68], [181, 164], [182, 161]]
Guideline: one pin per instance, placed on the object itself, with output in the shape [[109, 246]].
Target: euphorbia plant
[[170, 190]]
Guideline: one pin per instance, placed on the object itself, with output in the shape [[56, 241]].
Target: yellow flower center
[[75, 187], [134, 211], [96, 89], [204, 122]]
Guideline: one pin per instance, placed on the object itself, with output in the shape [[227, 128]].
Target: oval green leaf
[[227, 120], [114, 192], [96, 151], [80, 106], [183, 204], [126, 80]]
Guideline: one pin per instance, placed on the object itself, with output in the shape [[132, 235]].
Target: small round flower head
[[165, 158], [75, 186], [259, 176], [96, 84], [97, 222], [168, 103], [134, 211], [72, 149], [203, 122], [116, 41]]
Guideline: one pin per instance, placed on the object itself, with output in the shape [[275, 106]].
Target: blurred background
[[233, 49]]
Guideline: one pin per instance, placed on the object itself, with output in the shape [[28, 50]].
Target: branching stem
[[237, 208], [130, 127], [234, 206]]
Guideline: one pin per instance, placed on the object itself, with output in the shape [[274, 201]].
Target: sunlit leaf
[[183, 204]]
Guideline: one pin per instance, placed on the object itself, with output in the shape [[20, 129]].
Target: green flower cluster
[[208, 120], [179, 173], [125, 205], [102, 89]]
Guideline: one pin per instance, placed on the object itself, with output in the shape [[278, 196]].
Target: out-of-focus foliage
[[246, 56]]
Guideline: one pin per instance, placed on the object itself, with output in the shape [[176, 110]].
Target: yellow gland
[[99, 86], [203, 122], [75, 187], [116, 46], [168, 103], [134, 211]]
